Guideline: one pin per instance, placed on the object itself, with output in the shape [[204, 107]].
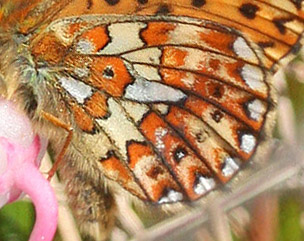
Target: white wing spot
[[203, 185], [231, 166], [77, 89], [248, 142], [147, 91], [172, 196], [85, 46], [241, 48], [256, 109], [147, 56], [253, 77], [159, 135], [124, 37], [147, 72]]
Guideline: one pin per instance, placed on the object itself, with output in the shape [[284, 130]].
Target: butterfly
[[165, 100]]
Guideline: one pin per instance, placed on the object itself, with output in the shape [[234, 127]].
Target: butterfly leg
[[55, 121], [91, 202]]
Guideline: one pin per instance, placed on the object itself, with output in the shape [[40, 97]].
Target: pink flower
[[20, 154]]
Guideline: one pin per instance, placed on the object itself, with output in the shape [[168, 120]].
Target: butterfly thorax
[[24, 81]]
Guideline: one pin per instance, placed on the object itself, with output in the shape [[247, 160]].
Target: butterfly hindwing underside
[[181, 113]]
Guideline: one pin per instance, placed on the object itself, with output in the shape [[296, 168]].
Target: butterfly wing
[[181, 102], [178, 102]]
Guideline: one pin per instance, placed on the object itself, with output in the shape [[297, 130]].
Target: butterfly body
[[167, 99]]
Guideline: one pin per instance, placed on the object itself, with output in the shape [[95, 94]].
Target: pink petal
[[20, 154]]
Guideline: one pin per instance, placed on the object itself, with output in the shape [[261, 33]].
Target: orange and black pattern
[[179, 92]]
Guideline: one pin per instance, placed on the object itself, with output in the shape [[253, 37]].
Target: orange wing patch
[[96, 105], [83, 120], [174, 57], [110, 74], [93, 39], [49, 49], [157, 33]]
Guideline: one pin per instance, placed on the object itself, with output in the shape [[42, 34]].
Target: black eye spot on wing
[[163, 10], [108, 73], [217, 116], [112, 2], [279, 23], [179, 154], [198, 3], [249, 10]]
